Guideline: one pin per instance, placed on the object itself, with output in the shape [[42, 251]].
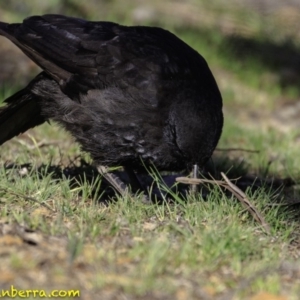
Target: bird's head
[[195, 128]]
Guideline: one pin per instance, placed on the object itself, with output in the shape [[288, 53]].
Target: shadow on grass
[[80, 172], [283, 59], [250, 58]]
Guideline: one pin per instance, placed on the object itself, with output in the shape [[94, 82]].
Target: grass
[[55, 233], [201, 248], [198, 246]]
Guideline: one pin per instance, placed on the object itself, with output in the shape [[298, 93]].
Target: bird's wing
[[83, 55]]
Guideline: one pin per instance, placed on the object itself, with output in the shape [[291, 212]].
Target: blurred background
[[252, 46]]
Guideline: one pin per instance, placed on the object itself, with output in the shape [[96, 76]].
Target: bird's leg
[[135, 184], [134, 181], [119, 185], [113, 180], [194, 187]]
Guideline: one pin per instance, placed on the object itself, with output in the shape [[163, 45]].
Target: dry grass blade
[[240, 195], [36, 145], [237, 149], [27, 198], [246, 203]]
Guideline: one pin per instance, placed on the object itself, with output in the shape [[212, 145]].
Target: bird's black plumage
[[127, 94]]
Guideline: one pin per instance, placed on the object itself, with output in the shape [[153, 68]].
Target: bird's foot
[[119, 185]]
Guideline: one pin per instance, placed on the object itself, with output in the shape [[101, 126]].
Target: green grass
[[140, 249], [195, 247], [55, 234]]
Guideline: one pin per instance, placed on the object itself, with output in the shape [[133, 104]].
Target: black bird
[[130, 95]]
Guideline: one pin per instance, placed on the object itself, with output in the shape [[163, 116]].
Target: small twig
[[237, 149], [28, 198], [239, 194], [246, 203], [186, 180]]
